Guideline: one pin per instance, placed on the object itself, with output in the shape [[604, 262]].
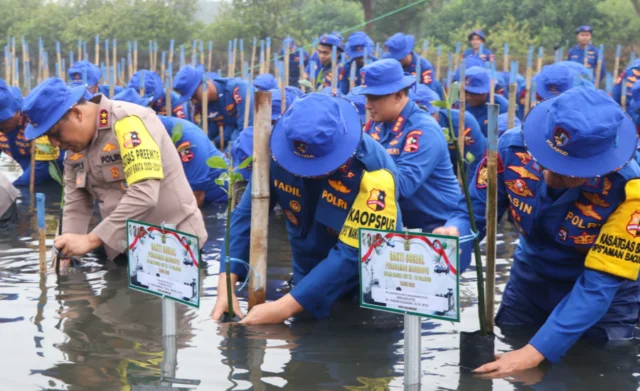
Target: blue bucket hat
[[584, 29], [503, 123], [477, 80], [479, 33], [132, 95], [399, 46], [93, 73], [576, 67], [469, 61], [153, 85], [553, 80], [331, 40], [9, 104], [581, 133], [384, 77], [356, 44], [359, 101], [634, 105], [338, 34], [316, 135], [187, 82], [265, 82], [47, 104], [424, 95]]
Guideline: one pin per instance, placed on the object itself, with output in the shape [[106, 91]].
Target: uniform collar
[[397, 124]]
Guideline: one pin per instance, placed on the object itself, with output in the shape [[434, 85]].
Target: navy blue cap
[[47, 104], [187, 82], [384, 77], [331, 40], [357, 43], [503, 123], [584, 29], [359, 101], [423, 95], [9, 105], [153, 85], [399, 46], [479, 33], [133, 96], [634, 105], [265, 82], [318, 134], [581, 133], [469, 61], [93, 73], [477, 80]]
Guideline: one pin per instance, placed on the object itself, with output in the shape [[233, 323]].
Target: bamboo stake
[[456, 59], [527, 94], [623, 96], [97, 62], [135, 57], [492, 212], [283, 100], [599, 65], [230, 59], [205, 106], [242, 65], [7, 66], [540, 56], [334, 70], [301, 69], [260, 198], [513, 85], [286, 66], [108, 64], [492, 91], [616, 66], [506, 57], [167, 91], [114, 59], [253, 60], [13, 61], [201, 53], [352, 76], [235, 52], [171, 50], [262, 54], [461, 123], [42, 232], [79, 50], [585, 60], [425, 48], [221, 132], [247, 100], [267, 55], [210, 56]]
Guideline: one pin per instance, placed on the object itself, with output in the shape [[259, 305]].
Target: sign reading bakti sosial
[[164, 262], [410, 272]]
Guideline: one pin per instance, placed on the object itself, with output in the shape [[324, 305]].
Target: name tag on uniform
[[81, 179]]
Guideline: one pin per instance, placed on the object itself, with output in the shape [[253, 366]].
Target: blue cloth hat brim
[[32, 132], [406, 81], [594, 166], [284, 156], [191, 90]]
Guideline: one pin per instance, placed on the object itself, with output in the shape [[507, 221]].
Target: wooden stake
[[235, 52], [247, 100], [135, 57], [210, 56], [527, 94], [42, 232], [260, 198], [461, 124], [32, 177], [286, 65], [506, 57], [97, 62], [221, 131], [492, 212], [253, 61], [599, 66], [513, 86], [334, 70], [268, 55], [540, 56], [205, 106], [616, 66], [243, 68]]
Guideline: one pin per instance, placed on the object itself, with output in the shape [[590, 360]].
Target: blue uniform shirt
[[426, 73], [321, 223], [429, 190], [475, 143], [227, 111], [480, 113], [486, 55], [195, 149], [576, 54], [343, 84], [294, 65], [550, 285], [323, 75], [630, 76]]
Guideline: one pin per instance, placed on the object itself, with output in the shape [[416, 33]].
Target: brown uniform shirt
[[133, 170]]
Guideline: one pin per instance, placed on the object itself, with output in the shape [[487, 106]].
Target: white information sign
[[164, 262], [411, 273]]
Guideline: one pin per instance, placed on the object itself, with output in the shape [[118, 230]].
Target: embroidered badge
[[519, 187], [524, 173], [587, 210]]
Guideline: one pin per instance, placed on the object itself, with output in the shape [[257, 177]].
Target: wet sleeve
[[78, 206], [583, 307]]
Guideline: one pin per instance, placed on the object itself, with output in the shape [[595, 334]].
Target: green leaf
[[44, 148], [245, 163], [219, 181], [236, 177], [469, 157], [54, 172], [454, 91], [217, 162], [439, 103], [305, 83], [176, 133]]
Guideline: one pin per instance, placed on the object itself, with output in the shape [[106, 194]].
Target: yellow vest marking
[[140, 153]]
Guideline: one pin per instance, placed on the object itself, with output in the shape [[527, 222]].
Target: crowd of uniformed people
[[377, 145]]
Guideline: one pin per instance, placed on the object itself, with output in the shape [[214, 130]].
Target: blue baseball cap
[[503, 123], [479, 33], [634, 105], [9, 104], [424, 95], [359, 101], [357, 43], [581, 133], [584, 29], [187, 82], [331, 40], [291, 93], [47, 104], [553, 80], [316, 135], [469, 61], [384, 77], [399, 46], [132, 95], [93, 73], [265, 82], [477, 80], [153, 85]]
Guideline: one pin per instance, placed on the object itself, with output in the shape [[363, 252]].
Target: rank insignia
[[583, 239], [587, 210], [524, 173]]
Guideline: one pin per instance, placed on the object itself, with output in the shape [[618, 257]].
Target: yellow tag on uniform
[[45, 152], [374, 207], [140, 153], [617, 249]]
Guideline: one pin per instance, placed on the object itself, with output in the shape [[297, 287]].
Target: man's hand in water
[[511, 363], [71, 244], [273, 312]]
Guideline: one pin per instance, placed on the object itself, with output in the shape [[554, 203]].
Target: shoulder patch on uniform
[[617, 249], [140, 153], [375, 206]]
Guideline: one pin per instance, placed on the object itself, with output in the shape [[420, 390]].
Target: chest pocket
[[75, 163], [111, 161]]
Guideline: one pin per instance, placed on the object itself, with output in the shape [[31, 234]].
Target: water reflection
[[85, 330]]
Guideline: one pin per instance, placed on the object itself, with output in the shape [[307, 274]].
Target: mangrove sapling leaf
[[439, 103], [454, 93], [245, 163], [176, 133], [218, 162], [54, 172], [305, 83]]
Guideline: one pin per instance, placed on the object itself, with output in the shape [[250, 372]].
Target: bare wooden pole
[[616, 65], [461, 125], [438, 62], [205, 106], [492, 212], [253, 61], [599, 66], [260, 198], [527, 94], [513, 87]]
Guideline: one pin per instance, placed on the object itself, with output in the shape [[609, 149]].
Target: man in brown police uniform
[[119, 154]]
